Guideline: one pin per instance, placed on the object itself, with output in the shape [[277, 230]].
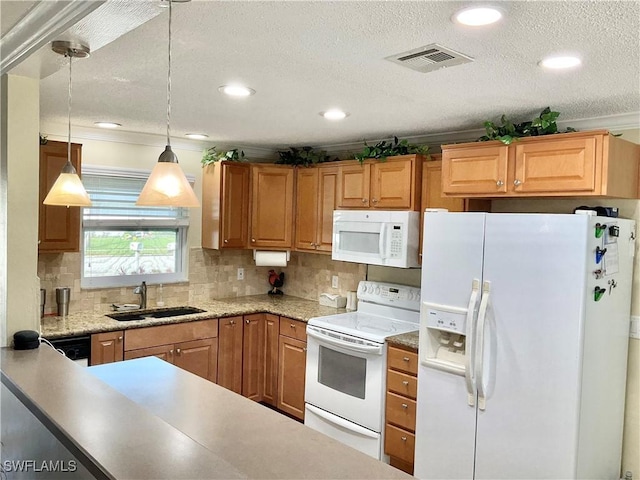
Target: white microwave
[[376, 237]]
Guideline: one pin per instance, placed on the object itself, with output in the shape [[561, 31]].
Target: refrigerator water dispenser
[[443, 337]]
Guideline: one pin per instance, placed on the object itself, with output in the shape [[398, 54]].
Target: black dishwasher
[[77, 349]]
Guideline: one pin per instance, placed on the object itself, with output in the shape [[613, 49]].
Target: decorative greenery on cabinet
[[304, 156], [392, 148], [211, 155], [507, 132]]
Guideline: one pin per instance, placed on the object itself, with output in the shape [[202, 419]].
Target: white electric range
[[347, 360]]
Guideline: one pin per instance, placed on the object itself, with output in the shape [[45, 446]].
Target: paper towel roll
[[271, 259]]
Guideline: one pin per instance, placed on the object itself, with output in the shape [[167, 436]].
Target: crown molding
[[613, 123], [147, 139]]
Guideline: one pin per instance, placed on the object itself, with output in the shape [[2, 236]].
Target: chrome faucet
[[142, 291]]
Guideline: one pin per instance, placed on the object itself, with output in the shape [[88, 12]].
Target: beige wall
[[23, 288], [627, 209]]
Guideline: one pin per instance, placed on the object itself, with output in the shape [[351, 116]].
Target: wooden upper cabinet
[[225, 205], [271, 206], [388, 184], [316, 189], [474, 169], [354, 184], [591, 163], [58, 227]]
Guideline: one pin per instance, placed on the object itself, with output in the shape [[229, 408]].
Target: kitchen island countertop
[[88, 322], [147, 419]]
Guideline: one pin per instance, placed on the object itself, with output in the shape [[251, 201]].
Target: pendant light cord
[[169, 82], [69, 108]]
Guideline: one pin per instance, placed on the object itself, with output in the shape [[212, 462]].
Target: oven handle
[[340, 422], [375, 349]]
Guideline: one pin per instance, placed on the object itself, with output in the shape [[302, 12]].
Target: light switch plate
[[334, 282], [241, 274], [634, 331]]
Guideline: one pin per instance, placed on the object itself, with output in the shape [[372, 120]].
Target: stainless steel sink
[[144, 314]]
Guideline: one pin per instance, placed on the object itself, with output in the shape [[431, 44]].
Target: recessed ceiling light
[[197, 136], [236, 90], [334, 114], [560, 62], [477, 16], [107, 124]]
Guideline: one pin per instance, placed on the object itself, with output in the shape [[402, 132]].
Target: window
[[123, 244]]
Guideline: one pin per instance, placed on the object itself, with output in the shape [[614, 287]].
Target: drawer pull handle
[[293, 326], [405, 383], [404, 439], [405, 406], [406, 359]]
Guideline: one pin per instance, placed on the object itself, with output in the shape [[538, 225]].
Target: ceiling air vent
[[429, 58]]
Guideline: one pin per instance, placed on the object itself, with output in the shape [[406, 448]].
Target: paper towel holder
[[288, 257]]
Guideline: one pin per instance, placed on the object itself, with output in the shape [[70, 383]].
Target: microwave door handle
[[383, 241]]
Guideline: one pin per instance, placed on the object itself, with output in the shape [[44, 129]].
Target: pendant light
[[68, 190], [167, 186]]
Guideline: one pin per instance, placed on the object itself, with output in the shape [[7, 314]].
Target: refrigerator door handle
[[482, 320], [470, 333]]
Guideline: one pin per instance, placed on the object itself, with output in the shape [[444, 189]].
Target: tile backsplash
[[212, 275]]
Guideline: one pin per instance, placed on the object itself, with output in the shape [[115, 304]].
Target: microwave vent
[[429, 58]]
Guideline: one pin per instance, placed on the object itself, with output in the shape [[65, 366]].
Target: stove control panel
[[401, 296]]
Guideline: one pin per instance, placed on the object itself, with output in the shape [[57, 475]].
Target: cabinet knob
[[304, 349], [517, 182], [120, 338], [171, 351], [253, 240], [405, 406], [364, 200], [178, 351], [226, 241], [375, 200], [404, 439], [232, 322], [293, 326], [406, 359], [405, 383], [312, 244], [247, 321], [499, 183]]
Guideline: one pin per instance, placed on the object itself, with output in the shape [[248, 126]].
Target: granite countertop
[[407, 340], [148, 419], [88, 322]]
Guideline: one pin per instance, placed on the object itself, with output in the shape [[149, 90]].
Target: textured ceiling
[[306, 57]]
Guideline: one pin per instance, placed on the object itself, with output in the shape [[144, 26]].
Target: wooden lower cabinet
[[107, 347], [230, 353], [248, 356], [400, 411], [292, 367], [192, 346], [199, 357], [270, 370]]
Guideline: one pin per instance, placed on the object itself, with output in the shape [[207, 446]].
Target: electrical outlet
[[241, 274], [334, 282]]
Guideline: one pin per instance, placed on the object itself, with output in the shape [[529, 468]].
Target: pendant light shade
[[167, 186], [67, 190]]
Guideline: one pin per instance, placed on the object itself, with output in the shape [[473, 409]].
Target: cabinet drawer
[[401, 411], [168, 334], [293, 328], [402, 384], [400, 359], [399, 443]]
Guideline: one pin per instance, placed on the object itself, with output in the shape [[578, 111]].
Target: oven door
[[345, 376]]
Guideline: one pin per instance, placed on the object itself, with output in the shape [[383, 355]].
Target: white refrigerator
[[524, 332]]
